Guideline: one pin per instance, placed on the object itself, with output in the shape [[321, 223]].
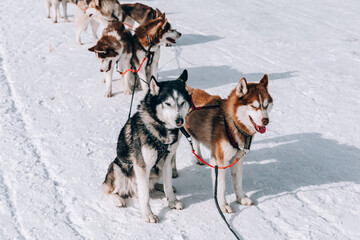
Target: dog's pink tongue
[[261, 129]]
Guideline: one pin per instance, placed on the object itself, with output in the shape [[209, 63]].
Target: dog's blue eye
[[182, 104], [168, 104]]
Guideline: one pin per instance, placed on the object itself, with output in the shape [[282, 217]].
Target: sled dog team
[[148, 141]]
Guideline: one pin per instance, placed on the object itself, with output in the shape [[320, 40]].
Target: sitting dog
[[114, 46], [55, 6], [228, 129], [146, 145]]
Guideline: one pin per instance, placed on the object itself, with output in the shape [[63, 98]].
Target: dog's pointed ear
[[158, 12], [154, 87], [163, 16], [265, 80], [241, 88], [92, 49], [184, 76], [98, 3]]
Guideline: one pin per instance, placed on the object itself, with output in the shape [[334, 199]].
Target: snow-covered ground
[[58, 132]]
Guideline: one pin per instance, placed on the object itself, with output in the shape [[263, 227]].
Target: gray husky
[[146, 145]]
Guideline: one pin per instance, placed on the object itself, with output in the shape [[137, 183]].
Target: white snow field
[[58, 132]]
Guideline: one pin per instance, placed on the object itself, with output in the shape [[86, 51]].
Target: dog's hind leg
[[142, 179], [237, 177], [55, 7], [196, 145], [221, 187], [112, 184], [94, 27], [48, 6], [64, 6]]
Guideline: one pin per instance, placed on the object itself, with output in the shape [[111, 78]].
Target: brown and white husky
[[115, 45], [153, 33], [141, 13], [228, 129]]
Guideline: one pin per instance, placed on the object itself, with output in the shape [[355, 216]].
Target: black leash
[[217, 204], [132, 96], [136, 76]]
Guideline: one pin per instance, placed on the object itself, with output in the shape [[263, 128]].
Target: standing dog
[[141, 13], [228, 129], [115, 45], [154, 33], [55, 6], [82, 20], [146, 145]]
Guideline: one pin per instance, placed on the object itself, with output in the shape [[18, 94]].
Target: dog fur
[[134, 171], [141, 13], [104, 11], [138, 12], [82, 20], [246, 108]]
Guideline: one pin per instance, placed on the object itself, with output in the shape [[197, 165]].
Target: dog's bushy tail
[[108, 185]]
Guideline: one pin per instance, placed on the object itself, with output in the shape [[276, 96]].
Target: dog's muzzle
[[179, 121]]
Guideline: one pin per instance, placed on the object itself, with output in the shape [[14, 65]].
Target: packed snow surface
[[58, 132]]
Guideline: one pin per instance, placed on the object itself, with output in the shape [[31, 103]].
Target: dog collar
[[248, 138], [149, 54]]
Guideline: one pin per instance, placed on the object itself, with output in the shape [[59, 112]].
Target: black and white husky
[[146, 145]]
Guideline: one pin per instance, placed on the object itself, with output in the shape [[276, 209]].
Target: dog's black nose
[[179, 121], [179, 34], [265, 121]]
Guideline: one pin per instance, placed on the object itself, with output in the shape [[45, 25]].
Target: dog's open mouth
[[171, 40], [260, 129]]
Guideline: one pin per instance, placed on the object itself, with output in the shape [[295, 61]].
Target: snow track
[[31, 195]]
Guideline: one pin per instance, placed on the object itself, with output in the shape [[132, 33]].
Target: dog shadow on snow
[[214, 76], [295, 161]]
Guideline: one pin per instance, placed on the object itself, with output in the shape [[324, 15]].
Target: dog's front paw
[[226, 208], [67, 20], [176, 205], [117, 200], [55, 21], [151, 218], [245, 201], [108, 94]]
